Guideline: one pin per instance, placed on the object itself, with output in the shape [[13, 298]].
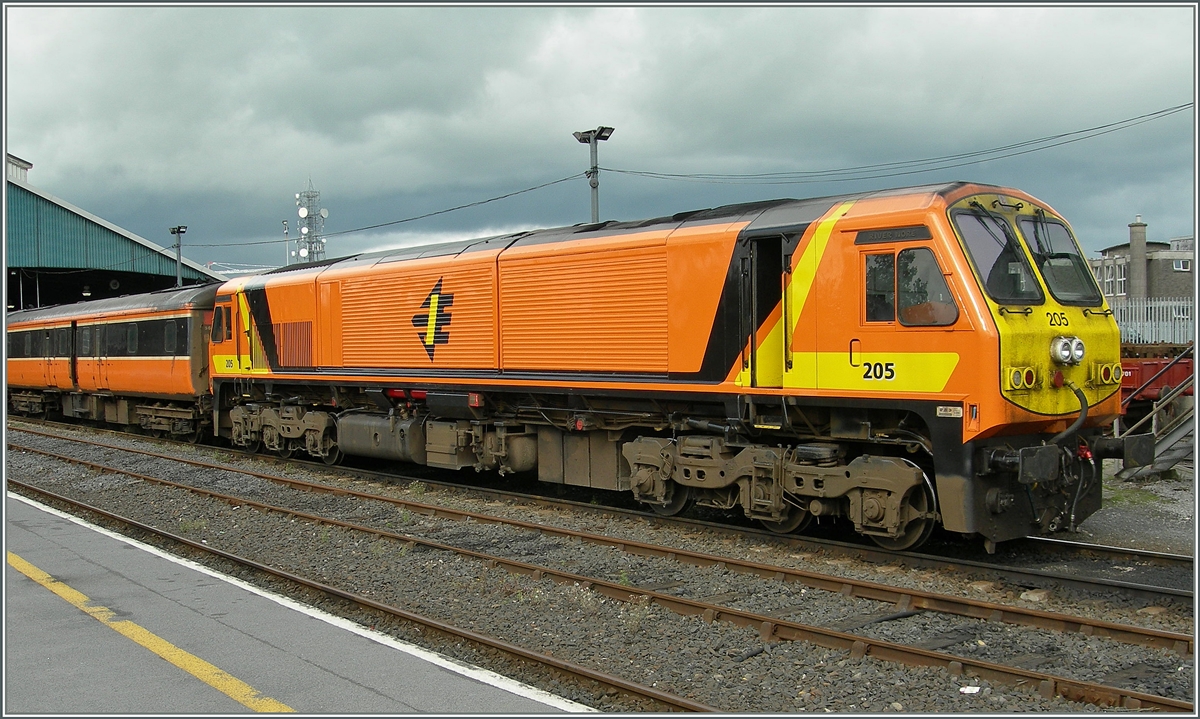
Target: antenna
[[310, 244]]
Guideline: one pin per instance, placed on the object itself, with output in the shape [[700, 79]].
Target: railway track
[[1094, 569], [772, 626], [637, 696]]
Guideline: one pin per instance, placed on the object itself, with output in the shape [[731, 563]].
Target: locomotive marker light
[[178, 232], [590, 138]]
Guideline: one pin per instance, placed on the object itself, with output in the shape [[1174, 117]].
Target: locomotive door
[[763, 283], [896, 330]]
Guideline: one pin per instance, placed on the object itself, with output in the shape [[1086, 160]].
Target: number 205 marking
[[879, 370], [1057, 319]]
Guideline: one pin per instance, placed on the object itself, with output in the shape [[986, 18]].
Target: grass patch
[[1129, 496], [193, 525]]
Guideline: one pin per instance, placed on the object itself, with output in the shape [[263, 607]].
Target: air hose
[[1083, 408]]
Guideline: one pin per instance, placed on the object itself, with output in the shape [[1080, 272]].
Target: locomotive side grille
[[384, 317], [293, 341], [603, 312]]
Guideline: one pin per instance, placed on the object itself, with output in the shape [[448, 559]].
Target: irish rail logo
[[434, 320]]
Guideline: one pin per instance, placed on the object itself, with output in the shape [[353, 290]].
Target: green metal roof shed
[[47, 232]]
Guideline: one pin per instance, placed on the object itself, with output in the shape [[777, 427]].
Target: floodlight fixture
[[590, 138]]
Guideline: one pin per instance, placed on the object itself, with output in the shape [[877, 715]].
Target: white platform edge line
[[479, 674]]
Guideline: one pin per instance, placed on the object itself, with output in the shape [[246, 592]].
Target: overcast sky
[[214, 117]]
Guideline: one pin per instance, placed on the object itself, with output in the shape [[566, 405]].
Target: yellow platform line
[[223, 682]]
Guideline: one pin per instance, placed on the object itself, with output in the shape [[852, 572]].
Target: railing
[[1146, 321]]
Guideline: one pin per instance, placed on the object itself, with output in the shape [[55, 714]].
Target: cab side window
[[909, 286], [925, 299], [881, 288], [218, 325]]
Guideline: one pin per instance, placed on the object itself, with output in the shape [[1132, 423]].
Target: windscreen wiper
[[1009, 242], [1040, 224]]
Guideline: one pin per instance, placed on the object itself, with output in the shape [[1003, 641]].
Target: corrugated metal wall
[[44, 234]]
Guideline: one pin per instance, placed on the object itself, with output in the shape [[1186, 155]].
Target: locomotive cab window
[[998, 258], [924, 297], [220, 326], [909, 286], [1066, 273], [881, 288]]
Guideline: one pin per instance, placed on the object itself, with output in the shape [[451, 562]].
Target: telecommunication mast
[[310, 243]]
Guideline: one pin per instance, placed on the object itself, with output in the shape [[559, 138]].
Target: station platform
[[96, 623]]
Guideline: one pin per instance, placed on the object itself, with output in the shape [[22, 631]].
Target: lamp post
[[178, 232], [591, 137]]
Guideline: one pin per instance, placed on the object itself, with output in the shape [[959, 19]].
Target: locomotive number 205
[[1057, 319], [879, 370]]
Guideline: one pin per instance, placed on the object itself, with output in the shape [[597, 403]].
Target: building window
[[1120, 289], [1108, 279], [1182, 266]]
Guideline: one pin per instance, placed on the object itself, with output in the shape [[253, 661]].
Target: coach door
[[763, 307]]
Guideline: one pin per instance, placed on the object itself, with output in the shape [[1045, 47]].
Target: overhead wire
[[847, 174], [909, 167], [407, 219]]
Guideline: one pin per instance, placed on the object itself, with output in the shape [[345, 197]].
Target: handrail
[[1147, 383], [1164, 401]]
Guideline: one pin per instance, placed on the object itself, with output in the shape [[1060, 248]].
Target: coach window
[[169, 333], [924, 298], [85, 341], [131, 338], [64, 343], [881, 288]]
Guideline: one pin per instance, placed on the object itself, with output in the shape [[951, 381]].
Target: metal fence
[[1146, 321]]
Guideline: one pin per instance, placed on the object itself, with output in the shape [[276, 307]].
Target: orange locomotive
[[140, 360], [899, 359]]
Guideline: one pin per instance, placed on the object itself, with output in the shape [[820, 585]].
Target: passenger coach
[[138, 360]]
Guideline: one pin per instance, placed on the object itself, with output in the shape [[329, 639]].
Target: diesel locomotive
[[898, 360]]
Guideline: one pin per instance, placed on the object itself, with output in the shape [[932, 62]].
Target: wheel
[[334, 457], [917, 531], [155, 433], [286, 450], [796, 520], [194, 436], [254, 447], [680, 500]]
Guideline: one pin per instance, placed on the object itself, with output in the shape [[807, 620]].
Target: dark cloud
[[215, 116]]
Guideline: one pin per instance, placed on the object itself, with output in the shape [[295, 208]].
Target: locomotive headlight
[[1077, 350], [1061, 350]]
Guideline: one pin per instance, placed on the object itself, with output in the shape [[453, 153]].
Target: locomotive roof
[[159, 301], [764, 217]]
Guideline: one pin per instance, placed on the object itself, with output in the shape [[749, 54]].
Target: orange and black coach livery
[[896, 359]]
